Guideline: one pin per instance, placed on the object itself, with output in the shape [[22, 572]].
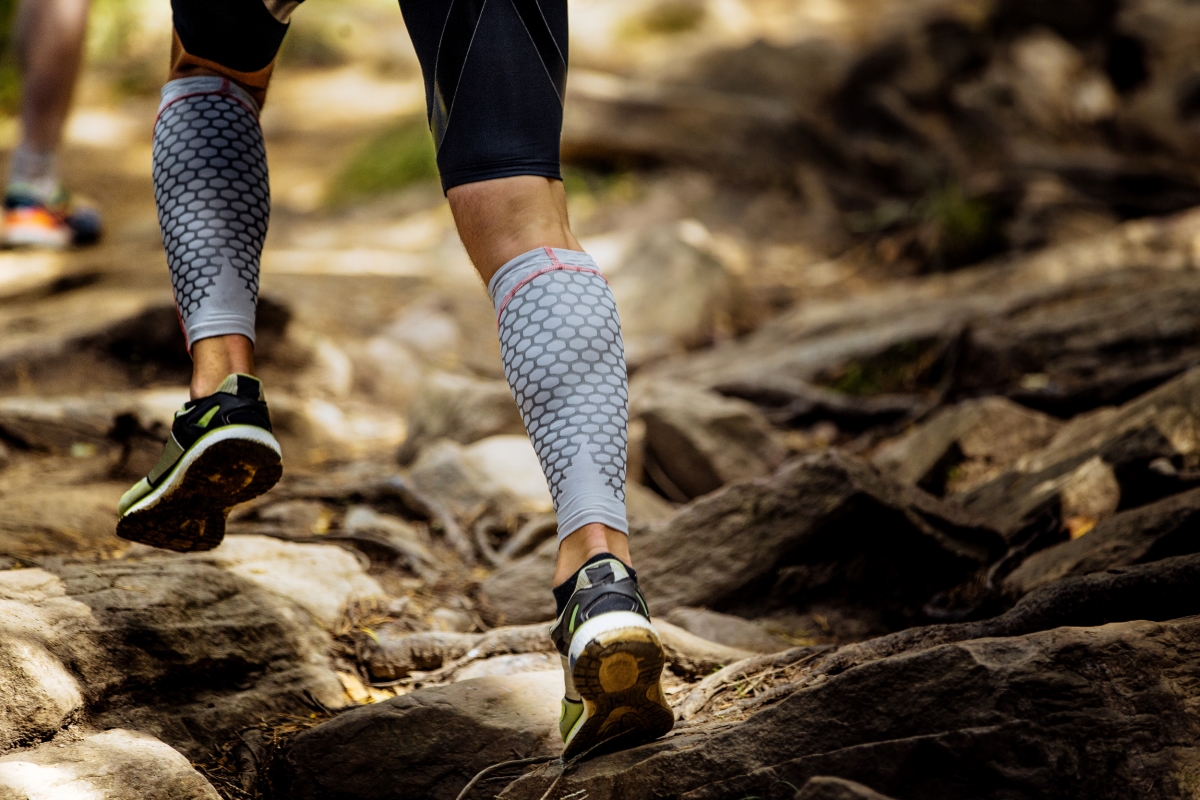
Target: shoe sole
[[187, 513], [34, 236], [618, 675]]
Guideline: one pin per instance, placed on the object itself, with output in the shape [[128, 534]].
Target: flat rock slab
[[113, 765], [1087, 713], [430, 743], [320, 578]]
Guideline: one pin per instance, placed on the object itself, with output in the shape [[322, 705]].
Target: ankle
[[587, 543], [216, 358]]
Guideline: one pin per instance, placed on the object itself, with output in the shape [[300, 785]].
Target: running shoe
[[32, 221], [613, 662], [221, 452]]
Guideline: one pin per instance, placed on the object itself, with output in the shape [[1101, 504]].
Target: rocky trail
[[911, 299]]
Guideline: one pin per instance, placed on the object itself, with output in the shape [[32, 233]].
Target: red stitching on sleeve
[[555, 265]]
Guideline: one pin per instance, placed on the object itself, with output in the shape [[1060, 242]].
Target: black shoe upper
[[246, 407], [602, 585]]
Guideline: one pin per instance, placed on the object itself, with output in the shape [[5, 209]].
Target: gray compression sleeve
[[210, 183], [560, 339]]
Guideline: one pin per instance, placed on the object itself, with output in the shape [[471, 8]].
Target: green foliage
[[666, 18], [389, 161], [900, 368], [312, 45], [113, 29], [965, 226], [10, 78]]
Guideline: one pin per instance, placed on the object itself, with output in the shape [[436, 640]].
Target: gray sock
[[34, 172], [210, 182], [560, 339]]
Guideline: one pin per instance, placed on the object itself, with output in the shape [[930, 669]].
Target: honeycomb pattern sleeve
[[560, 340], [210, 184]]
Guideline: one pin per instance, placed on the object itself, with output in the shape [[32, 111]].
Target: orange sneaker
[[59, 223]]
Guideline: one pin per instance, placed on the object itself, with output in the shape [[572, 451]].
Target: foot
[[32, 221], [613, 662], [220, 453]]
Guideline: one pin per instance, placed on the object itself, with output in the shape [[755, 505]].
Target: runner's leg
[[495, 76]]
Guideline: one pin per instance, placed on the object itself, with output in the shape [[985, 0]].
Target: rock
[[367, 528], [392, 653], [1157, 591], [510, 665], [321, 579], [824, 528], [796, 404], [692, 656], [451, 619], [39, 694], [387, 370], [35, 522], [1029, 329], [240, 654], [965, 445], [825, 788], [704, 302], [502, 472], [314, 430], [726, 629], [612, 118], [980, 718], [1055, 89], [645, 507], [701, 441], [435, 740], [459, 408], [113, 765], [517, 590], [1159, 530], [1089, 495], [1140, 443]]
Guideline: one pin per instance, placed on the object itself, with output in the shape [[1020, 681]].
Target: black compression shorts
[[495, 72]]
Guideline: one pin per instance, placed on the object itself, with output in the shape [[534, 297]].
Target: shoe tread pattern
[[618, 676], [191, 517]]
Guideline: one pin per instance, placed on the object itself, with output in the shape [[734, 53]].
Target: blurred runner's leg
[[495, 76], [37, 210], [213, 196]]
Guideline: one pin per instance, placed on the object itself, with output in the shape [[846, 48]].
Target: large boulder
[[113, 765], [700, 441], [825, 528], [982, 718], [114, 641], [427, 744]]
